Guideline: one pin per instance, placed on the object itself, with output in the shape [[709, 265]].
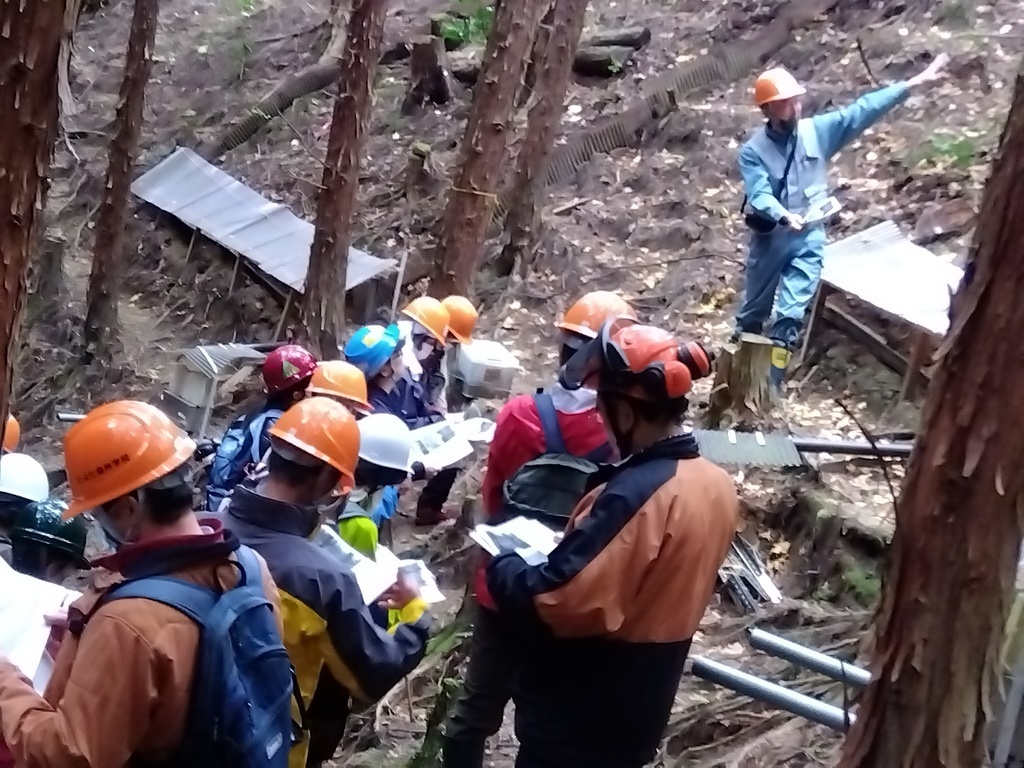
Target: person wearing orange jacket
[[519, 437], [341, 655], [609, 617], [120, 691]]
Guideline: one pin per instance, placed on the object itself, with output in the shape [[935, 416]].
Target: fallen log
[[630, 37], [594, 61]]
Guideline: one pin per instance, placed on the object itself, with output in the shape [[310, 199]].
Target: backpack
[[238, 449], [240, 708], [550, 486]]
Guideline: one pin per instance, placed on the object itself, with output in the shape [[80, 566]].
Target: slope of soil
[[658, 224]]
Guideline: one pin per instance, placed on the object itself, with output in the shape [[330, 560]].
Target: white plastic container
[[486, 369]]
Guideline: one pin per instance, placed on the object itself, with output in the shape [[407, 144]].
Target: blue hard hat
[[371, 347]]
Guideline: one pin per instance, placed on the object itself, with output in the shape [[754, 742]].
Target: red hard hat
[[287, 367]]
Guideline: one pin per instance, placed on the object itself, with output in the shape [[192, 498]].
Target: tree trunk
[[538, 55], [29, 52], [473, 193], [523, 221], [953, 557], [323, 305], [105, 279]]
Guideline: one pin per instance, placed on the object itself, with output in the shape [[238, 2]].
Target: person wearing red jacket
[[519, 438]]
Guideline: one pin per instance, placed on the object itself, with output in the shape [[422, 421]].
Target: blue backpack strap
[[249, 564], [256, 429], [553, 442], [192, 600]]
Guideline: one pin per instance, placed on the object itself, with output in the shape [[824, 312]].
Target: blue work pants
[[787, 263]]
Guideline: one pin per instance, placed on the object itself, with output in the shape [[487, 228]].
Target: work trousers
[[477, 715], [430, 506], [787, 263]]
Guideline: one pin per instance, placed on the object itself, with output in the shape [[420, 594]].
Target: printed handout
[[24, 602], [375, 576], [530, 539]]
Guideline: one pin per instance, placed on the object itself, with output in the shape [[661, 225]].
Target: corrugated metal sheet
[[228, 212], [747, 448], [885, 269], [217, 359]]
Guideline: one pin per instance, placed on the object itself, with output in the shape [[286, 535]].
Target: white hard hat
[[385, 440], [24, 477]]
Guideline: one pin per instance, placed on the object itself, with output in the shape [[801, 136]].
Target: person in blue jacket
[[785, 174], [377, 351]]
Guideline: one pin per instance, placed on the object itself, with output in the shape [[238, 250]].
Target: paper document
[[375, 576], [450, 442], [530, 539], [24, 601], [824, 210]]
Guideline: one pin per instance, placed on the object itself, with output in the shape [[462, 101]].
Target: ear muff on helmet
[[638, 361]]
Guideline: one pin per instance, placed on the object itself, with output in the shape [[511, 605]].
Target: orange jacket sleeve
[[106, 708]]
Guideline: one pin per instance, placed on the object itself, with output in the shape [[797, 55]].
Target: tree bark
[[472, 195], [741, 395], [523, 221], [953, 557], [105, 279], [29, 53], [323, 305], [538, 53], [429, 75]]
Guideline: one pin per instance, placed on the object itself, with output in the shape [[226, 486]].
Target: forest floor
[[658, 223]]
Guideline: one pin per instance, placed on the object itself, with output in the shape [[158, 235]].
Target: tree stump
[[430, 78], [422, 179], [742, 393]]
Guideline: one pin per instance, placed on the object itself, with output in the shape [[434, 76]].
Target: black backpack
[[550, 486]]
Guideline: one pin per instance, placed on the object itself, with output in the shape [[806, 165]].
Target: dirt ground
[[658, 223]]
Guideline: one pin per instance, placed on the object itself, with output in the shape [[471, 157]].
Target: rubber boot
[[780, 360]]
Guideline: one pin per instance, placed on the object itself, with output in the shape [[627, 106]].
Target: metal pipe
[[772, 694], [852, 447], [807, 658], [67, 417]]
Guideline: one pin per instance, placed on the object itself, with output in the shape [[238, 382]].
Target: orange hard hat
[[776, 85], [640, 361], [118, 448], [592, 311], [323, 429], [12, 434], [431, 314], [462, 316], [341, 380]]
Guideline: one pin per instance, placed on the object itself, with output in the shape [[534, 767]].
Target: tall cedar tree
[[958, 523], [107, 258], [472, 195], [323, 306], [29, 51], [523, 221]]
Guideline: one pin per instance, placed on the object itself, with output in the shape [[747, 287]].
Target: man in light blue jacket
[[785, 174]]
